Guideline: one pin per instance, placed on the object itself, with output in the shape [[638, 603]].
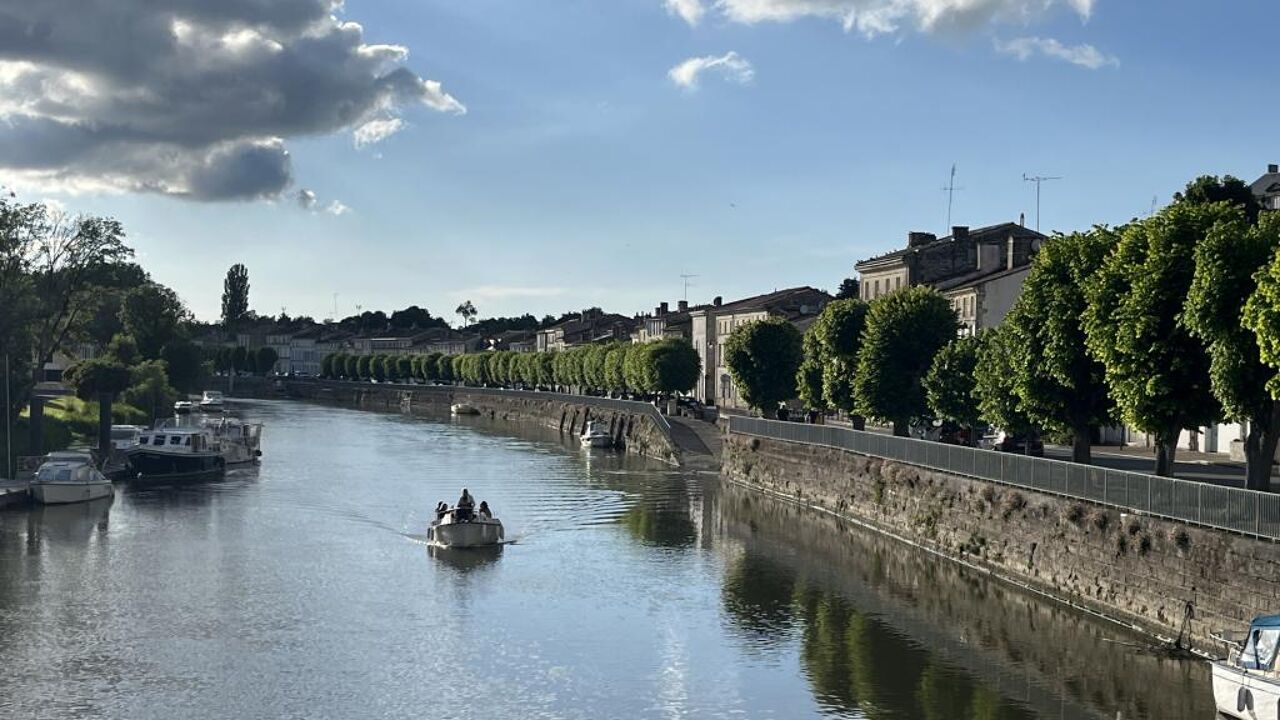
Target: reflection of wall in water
[[980, 639]]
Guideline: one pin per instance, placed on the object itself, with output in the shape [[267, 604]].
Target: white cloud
[[377, 130], [877, 17], [1084, 55], [195, 99], [731, 65], [691, 11], [306, 199], [506, 292], [337, 208]]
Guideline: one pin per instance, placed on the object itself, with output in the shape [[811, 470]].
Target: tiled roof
[[982, 234], [770, 301], [980, 276]]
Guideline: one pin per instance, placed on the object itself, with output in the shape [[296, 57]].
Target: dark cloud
[[189, 97]]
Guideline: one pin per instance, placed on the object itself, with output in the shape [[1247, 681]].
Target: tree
[[1060, 386], [848, 289], [64, 256], [1236, 267], [949, 384], [838, 332], [1157, 371], [326, 366], [240, 359], [185, 366], [995, 384], [235, 296], [905, 329], [543, 371], [100, 376], [1209, 189], [153, 314], [414, 317], [444, 368], [467, 311], [809, 374], [614, 368], [636, 370], [266, 359], [123, 350], [364, 367], [430, 367], [351, 367], [150, 390], [675, 365], [763, 357]]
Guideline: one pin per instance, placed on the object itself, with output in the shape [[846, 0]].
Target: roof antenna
[[1037, 179], [686, 277], [950, 188]]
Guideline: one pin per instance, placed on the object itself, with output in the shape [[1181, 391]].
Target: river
[[302, 589]]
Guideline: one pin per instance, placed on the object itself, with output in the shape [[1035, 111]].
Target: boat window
[[159, 440], [188, 441], [175, 440], [1260, 651]]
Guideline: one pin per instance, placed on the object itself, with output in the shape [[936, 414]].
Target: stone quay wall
[[1131, 568], [635, 426]]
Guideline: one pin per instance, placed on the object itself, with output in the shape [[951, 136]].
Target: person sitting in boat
[[442, 509], [465, 507], [485, 512]]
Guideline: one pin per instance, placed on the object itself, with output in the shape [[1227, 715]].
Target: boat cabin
[[1259, 651], [177, 440]]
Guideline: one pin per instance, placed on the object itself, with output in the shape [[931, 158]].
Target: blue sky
[[582, 174]]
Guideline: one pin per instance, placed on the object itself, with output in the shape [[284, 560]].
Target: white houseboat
[[69, 477]]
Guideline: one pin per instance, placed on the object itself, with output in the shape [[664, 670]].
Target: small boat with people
[[464, 409], [177, 454], [69, 477], [464, 525], [211, 401], [596, 435], [1246, 684]]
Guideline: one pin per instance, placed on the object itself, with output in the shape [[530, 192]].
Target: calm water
[[301, 589]]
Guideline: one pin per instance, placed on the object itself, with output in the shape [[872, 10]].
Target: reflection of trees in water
[[661, 526], [853, 661]]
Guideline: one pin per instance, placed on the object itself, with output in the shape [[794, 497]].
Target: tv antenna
[[1154, 200], [335, 307], [950, 189], [686, 277], [1038, 179]]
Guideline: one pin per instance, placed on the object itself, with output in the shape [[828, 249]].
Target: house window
[[897, 282]]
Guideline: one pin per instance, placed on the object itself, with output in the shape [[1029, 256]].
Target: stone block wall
[[1131, 568]]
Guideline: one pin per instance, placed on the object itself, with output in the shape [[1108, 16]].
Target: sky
[[555, 155]]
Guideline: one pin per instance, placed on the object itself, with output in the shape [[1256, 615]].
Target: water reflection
[[466, 561], [72, 524]]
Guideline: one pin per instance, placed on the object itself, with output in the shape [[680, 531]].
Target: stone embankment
[[635, 426], [1132, 568]]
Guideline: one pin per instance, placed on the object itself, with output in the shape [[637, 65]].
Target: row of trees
[[667, 366], [1168, 324]]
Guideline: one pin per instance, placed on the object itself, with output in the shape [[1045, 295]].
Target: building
[[665, 324], [592, 326], [933, 261], [711, 325], [1267, 188], [308, 348], [513, 341], [445, 341], [983, 299]]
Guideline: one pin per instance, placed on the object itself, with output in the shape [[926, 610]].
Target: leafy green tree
[[593, 365], [149, 389], [431, 367], [240, 359], [153, 314], [101, 376], [1235, 268], [18, 308], [949, 384], [378, 367], [614, 373], [1209, 189], [351, 367], [235, 296], [838, 331], [1157, 371], [327, 365], [995, 383], [1059, 385], [848, 289], [456, 369], [364, 367], [466, 311], [543, 365], [414, 367], [184, 365], [763, 357], [123, 350], [809, 375], [675, 365], [636, 370], [904, 331], [444, 368], [266, 359]]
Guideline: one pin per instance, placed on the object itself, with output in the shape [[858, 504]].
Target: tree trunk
[[901, 428], [1260, 447], [1081, 445], [35, 426], [1166, 449], [858, 422]]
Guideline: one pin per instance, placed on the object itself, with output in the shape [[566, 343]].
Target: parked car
[[1017, 443]]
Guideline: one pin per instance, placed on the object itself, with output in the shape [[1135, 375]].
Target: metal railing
[[1248, 512]]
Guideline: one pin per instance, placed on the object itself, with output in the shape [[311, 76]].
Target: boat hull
[[154, 467], [464, 409], [65, 493], [597, 441], [479, 533], [1245, 695]]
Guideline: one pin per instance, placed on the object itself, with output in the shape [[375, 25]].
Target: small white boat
[[241, 441], [1246, 684], [596, 436], [463, 409], [69, 477], [125, 437], [211, 401], [183, 407], [471, 533]]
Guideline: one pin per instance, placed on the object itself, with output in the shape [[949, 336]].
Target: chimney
[[662, 309], [915, 239], [1273, 168], [959, 232], [1022, 219], [1010, 255], [682, 306], [717, 301]]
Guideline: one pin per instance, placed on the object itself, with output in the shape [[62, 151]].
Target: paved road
[[1203, 468]]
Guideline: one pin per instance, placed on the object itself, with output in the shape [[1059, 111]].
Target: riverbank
[[1131, 568], [636, 427]]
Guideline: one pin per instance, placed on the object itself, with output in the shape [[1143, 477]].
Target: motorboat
[[177, 454], [463, 409], [1246, 684], [69, 477], [125, 437], [473, 531], [596, 435], [183, 407], [241, 441], [211, 401]]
